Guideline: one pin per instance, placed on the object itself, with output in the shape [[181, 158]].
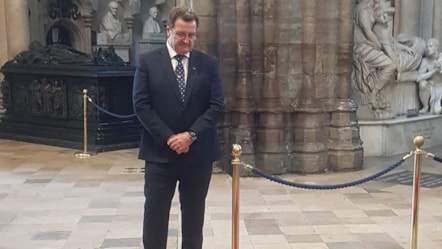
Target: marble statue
[[410, 51], [430, 79], [385, 69], [151, 25], [374, 61], [382, 32], [112, 27]]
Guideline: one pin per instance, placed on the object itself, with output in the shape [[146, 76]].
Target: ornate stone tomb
[[44, 103]]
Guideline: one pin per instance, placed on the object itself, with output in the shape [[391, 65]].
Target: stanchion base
[[83, 155]]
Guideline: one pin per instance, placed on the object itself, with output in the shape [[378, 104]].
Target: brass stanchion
[[236, 152], [418, 141], [84, 153]]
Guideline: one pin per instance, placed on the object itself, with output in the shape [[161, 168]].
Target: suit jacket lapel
[[168, 72], [192, 75]]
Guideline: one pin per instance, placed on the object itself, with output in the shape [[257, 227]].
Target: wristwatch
[[192, 136]]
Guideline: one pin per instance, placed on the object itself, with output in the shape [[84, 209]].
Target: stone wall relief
[[75, 101], [386, 72], [44, 97], [5, 97]]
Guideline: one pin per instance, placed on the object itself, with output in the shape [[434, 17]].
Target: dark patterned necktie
[[179, 71]]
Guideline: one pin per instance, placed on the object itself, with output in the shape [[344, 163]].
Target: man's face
[[154, 13], [182, 37], [113, 9], [380, 16], [432, 49]]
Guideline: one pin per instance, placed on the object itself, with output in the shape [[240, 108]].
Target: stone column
[[14, 27], [345, 150], [87, 19], [437, 20], [310, 121], [3, 37], [257, 45], [272, 144], [243, 113], [227, 63], [426, 18], [17, 28], [397, 18], [3, 51], [130, 26], [410, 11]]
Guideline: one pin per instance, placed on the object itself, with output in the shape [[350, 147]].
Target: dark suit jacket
[[157, 104]]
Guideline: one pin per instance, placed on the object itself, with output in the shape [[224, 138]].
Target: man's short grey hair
[[113, 4], [181, 12]]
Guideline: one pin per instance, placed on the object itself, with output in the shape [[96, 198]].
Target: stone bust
[[151, 25], [111, 27]]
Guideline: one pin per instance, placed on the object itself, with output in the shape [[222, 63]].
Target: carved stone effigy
[[374, 65], [403, 92], [412, 95], [385, 70]]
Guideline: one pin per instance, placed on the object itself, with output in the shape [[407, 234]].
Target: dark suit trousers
[[159, 188]]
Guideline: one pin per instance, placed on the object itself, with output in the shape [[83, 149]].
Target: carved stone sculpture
[[60, 54], [151, 25], [430, 79], [374, 63], [112, 27], [386, 69], [52, 54], [410, 50], [107, 56]]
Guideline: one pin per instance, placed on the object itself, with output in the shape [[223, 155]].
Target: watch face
[[192, 135]]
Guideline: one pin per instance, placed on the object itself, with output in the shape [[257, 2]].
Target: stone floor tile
[[316, 246], [121, 243], [57, 201]]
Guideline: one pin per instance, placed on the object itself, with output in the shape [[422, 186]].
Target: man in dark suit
[[178, 99]]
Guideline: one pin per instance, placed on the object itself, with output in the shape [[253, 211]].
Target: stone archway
[[68, 33]]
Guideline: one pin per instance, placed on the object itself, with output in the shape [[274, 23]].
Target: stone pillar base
[[274, 164], [309, 162], [346, 160]]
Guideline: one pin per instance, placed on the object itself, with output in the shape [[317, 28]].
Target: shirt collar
[[172, 52]]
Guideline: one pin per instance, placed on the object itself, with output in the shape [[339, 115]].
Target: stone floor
[[50, 199]]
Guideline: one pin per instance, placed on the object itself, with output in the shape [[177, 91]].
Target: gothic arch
[[69, 33]]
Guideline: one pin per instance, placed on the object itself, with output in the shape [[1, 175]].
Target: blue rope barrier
[[326, 187], [437, 159], [110, 113]]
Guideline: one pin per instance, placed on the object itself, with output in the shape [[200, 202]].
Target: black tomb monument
[[43, 98]]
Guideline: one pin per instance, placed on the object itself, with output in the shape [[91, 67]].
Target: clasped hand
[[180, 143]]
